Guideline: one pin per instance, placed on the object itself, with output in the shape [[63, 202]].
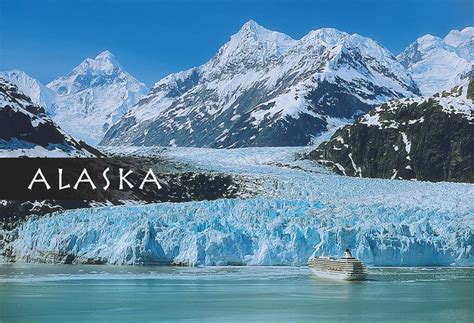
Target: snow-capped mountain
[[263, 88], [437, 63], [26, 130], [35, 90], [94, 96], [425, 138]]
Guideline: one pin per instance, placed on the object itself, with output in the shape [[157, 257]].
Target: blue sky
[[154, 38]]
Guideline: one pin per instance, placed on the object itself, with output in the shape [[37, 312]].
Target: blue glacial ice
[[251, 232]]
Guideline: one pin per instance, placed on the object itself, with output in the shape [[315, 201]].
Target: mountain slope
[[36, 91], [263, 88], [26, 130], [427, 138], [437, 64], [94, 95]]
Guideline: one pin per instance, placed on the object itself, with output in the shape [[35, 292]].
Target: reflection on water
[[71, 292]]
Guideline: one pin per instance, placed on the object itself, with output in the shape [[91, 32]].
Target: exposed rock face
[[263, 88], [425, 138]]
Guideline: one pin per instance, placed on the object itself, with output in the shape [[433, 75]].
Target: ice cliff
[[250, 232]]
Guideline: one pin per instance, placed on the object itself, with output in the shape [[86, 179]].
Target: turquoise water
[[48, 293]]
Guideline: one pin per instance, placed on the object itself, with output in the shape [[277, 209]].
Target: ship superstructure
[[345, 268]]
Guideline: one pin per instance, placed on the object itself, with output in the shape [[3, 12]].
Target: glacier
[[294, 209], [250, 232]]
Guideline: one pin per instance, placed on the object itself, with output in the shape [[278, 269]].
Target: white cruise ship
[[344, 268]]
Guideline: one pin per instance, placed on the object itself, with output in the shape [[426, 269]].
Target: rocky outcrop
[[425, 138]]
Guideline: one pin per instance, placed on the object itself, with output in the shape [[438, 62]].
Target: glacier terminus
[[294, 209]]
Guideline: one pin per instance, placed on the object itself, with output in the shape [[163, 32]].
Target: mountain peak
[[429, 42], [103, 69], [251, 24], [105, 56], [253, 44], [461, 38], [436, 63], [105, 62], [256, 32], [95, 95], [468, 31], [328, 36], [329, 33], [15, 72], [264, 88], [253, 28], [16, 76], [340, 41], [428, 38], [332, 37]]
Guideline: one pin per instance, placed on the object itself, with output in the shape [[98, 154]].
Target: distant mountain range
[[438, 64], [262, 88], [39, 94], [88, 100]]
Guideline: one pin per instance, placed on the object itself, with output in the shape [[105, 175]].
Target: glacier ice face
[[250, 232]]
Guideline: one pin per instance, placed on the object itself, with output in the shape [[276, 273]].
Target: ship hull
[[339, 275]]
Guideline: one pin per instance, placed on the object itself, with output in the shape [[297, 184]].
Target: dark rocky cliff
[[426, 139]]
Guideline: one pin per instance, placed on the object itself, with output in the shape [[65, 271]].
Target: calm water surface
[[59, 293]]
